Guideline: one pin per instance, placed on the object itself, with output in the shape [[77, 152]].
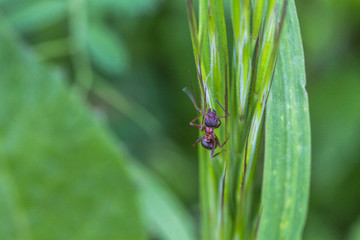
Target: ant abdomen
[[207, 145]]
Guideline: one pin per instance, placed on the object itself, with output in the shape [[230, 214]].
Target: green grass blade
[[193, 29], [257, 18], [287, 141]]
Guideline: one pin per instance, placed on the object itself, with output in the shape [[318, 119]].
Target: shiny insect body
[[210, 121]]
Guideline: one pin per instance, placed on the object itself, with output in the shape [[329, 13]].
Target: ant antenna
[[192, 99], [227, 114]]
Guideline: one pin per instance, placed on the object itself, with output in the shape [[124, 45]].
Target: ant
[[209, 140]]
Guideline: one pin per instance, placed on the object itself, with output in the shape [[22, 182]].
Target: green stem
[[78, 24]]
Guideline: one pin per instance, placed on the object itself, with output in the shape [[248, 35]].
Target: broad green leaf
[[38, 15], [165, 217], [287, 141], [61, 175], [106, 50]]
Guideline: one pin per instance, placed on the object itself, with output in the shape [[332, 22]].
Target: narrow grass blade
[[193, 29], [287, 141]]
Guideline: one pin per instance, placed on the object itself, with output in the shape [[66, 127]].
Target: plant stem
[[78, 24]]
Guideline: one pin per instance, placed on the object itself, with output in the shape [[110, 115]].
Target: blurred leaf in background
[[106, 50], [77, 181], [62, 176], [36, 15]]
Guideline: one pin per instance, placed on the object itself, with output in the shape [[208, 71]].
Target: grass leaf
[[287, 141]]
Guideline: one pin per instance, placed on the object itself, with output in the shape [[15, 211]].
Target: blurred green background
[[94, 134]]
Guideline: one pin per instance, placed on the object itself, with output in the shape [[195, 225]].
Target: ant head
[[211, 118], [211, 113]]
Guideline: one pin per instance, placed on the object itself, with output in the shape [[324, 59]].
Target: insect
[[210, 121]]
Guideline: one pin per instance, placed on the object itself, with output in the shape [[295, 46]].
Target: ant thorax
[[209, 130]]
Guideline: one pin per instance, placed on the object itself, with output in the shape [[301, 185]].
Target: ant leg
[[218, 123], [202, 122], [212, 151], [218, 142], [194, 124], [219, 153], [199, 139]]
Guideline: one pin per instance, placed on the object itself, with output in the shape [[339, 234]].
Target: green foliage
[[230, 206], [164, 214], [130, 73], [287, 148], [106, 50], [61, 174], [38, 15]]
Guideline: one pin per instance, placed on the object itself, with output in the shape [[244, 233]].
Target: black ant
[[209, 141]]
